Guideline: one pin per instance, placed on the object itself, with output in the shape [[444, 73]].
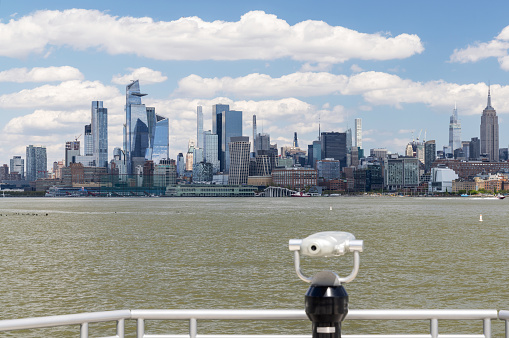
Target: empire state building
[[489, 132]]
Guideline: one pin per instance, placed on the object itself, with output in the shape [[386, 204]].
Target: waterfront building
[[441, 180], [467, 170], [474, 149], [199, 127], [72, 151], [210, 190], [262, 166], [239, 147], [17, 165], [401, 172], [454, 130], [37, 166], [358, 133], [335, 145], [430, 154], [328, 169], [489, 132], [295, 178]]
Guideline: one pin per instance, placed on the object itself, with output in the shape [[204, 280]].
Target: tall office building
[[17, 165], [454, 130], [489, 132], [218, 111], [239, 160], [36, 161], [334, 145], [199, 127], [262, 142], [210, 150], [255, 132], [88, 149], [430, 154], [145, 132], [358, 133], [100, 134], [160, 146]]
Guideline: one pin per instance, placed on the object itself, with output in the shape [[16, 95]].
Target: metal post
[[120, 328], [140, 330], [487, 327], [193, 327], [84, 330], [434, 328], [506, 328]]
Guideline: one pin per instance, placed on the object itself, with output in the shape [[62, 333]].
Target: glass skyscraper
[[100, 134], [239, 160], [145, 133], [199, 127], [231, 127], [454, 130]]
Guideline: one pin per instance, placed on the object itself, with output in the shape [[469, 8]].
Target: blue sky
[[401, 66]]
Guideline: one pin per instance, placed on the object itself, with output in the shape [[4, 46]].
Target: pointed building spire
[[489, 107]]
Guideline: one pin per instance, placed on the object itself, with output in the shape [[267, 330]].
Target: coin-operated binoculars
[[326, 299]]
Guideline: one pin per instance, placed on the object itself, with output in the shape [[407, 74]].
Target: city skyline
[[405, 76]]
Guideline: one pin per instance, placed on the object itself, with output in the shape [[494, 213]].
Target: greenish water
[[73, 255]]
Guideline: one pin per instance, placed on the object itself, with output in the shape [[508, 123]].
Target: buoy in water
[[480, 218], [330, 208]]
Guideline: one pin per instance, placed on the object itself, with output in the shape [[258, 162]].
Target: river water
[[73, 255]]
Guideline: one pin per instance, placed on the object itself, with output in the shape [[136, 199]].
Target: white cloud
[[40, 74], [256, 35], [497, 48], [144, 74], [262, 85], [68, 94], [47, 122], [356, 69]]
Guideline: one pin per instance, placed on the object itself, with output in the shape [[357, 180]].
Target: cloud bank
[[256, 36], [40, 74], [144, 74]]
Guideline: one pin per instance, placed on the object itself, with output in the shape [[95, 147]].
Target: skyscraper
[[334, 145], [100, 133], [199, 127], [358, 133], [145, 132], [217, 128], [430, 154], [489, 132], [232, 127], [210, 150], [295, 140], [454, 130], [88, 149], [239, 160], [36, 162], [255, 132]]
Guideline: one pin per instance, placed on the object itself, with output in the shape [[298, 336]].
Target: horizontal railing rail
[[84, 319]]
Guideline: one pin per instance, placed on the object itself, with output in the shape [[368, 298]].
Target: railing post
[[434, 328], [120, 328], [487, 327], [506, 328], [140, 330], [193, 327], [84, 330]]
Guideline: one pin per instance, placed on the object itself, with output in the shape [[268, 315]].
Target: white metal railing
[[84, 319]]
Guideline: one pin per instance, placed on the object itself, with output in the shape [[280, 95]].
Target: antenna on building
[[77, 137]]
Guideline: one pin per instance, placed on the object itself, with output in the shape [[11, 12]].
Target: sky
[[300, 66]]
